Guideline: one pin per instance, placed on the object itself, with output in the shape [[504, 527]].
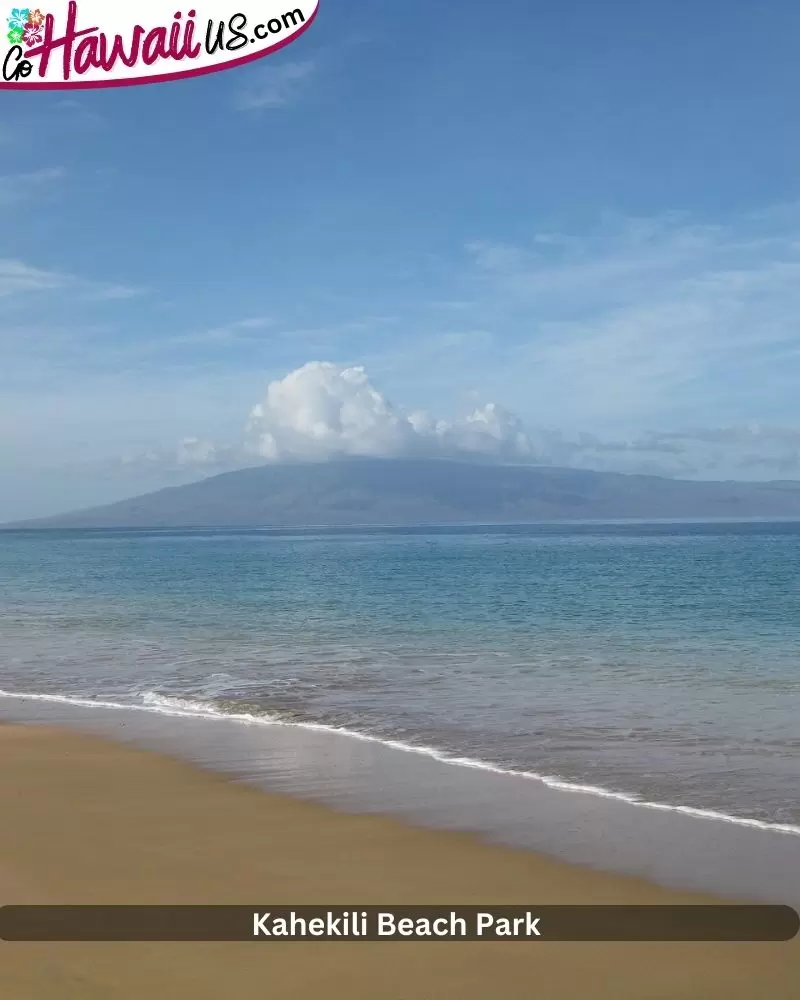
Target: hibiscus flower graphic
[[33, 34], [15, 36], [36, 18], [19, 18]]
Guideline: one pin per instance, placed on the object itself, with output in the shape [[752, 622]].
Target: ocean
[[647, 664]]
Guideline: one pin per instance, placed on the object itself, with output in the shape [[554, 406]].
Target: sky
[[557, 233]]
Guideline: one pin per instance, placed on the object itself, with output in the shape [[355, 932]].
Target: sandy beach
[[89, 821]]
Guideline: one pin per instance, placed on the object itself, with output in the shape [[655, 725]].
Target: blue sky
[[588, 214]]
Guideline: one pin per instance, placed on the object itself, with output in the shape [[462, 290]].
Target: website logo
[[96, 43]]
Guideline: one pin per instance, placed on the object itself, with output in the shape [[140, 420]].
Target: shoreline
[[87, 820], [361, 775], [189, 708]]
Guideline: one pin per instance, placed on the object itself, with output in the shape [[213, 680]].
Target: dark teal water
[[657, 661]]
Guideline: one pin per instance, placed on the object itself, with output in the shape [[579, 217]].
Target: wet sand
[[89, 821]]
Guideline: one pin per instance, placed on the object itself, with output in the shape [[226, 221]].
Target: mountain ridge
[[374, 491]]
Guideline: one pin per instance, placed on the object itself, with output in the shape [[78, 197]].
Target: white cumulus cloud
[[323, 411]]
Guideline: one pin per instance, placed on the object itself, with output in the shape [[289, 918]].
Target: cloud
[[238, 331], [495, 257], [275, 86], [18, 188], [191, 458], [323, 411], [19, 278], [738, 435], [644, 320]]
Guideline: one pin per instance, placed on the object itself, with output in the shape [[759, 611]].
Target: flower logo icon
[[19, 18], [25, 25]]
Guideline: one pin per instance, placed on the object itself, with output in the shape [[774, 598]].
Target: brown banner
[[400, 923]]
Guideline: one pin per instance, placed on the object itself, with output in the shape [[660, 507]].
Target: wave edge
[[154, 703]]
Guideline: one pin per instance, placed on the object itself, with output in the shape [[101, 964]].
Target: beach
[[86, 820]]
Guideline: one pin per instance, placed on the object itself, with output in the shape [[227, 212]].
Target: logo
[[94, 43]]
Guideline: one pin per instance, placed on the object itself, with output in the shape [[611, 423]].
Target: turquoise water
[[657, 661]]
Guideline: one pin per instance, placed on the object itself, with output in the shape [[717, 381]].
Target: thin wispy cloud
[[646, 320], [241, 332], [101, 292], [18, 278], [18, 188], [237, 330], [271, 87]]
